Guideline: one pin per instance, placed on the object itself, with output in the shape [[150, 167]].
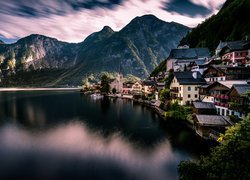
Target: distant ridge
[[137, 48]]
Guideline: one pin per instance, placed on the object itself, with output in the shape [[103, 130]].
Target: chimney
[[195, 74]]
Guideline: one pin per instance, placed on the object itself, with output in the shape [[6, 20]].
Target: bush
[[230, 160]]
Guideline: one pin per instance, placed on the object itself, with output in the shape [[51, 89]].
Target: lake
[[66, 135]]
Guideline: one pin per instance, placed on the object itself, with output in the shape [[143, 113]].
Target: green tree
[[230, 160], [105, 84], [114, 90], [164, 94]]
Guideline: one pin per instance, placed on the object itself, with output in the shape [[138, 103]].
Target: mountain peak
[[147, 17], [107, 29]]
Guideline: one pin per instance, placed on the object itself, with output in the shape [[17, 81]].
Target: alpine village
[[208, 89], [204, 83]]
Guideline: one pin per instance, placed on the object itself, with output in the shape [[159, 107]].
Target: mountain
[[136, 49], [1, 42], [229, 24]]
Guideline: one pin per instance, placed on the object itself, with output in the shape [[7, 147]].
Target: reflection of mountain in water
[[73, 151]]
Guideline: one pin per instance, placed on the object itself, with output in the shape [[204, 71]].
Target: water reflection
[[74, 151], [64, 134]]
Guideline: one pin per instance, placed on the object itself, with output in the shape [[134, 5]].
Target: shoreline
[[38, 89], [147, 103]]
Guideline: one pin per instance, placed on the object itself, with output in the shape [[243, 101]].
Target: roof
[[213, 120], [234, 45], [204, 105], [229, 84], [241, 88], [227, 70], [148, 83], [188, 78], [189, 53]]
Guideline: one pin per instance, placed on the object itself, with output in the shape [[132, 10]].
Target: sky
[[74, 20]]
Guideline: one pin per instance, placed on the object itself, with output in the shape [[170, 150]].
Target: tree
[[114, 90], [230, 160], [105, 84], [164, 94]]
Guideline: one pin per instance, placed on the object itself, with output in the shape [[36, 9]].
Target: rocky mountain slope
[[136, 49]]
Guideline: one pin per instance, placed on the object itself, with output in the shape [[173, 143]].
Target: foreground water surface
[[65, 135]]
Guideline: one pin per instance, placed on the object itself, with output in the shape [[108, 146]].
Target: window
[[222, 112], [196, 88], [189, 88], [180, 88], [196, 96], [189, 96], [221, 78]]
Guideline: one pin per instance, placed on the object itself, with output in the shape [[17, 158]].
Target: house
[[136, 88], [181, 58], [117, 83], [148, 87], [217, 93], [222, 73], [127, 87], [210, 126], [234, 52], [184, 87], [239, 100], [204, 108]]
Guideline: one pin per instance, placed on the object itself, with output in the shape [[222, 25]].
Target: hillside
[[229, 24]]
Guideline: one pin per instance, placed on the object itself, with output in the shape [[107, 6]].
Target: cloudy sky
[[74, 20]]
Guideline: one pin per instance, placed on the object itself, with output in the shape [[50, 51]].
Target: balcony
[[174, 90]]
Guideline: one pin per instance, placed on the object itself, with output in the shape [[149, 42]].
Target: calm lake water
[[65, 135]]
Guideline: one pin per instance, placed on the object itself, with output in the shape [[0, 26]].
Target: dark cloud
[[93, 4], [186, 7], [41, 8]]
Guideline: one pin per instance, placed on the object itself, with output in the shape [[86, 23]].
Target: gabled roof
[[189, 78], [189, 53], [213, 120], [226, 70], [204, 105], [149, 83], [234, 45], [241, 89]]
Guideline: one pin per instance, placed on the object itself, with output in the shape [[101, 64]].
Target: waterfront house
[[148, 87], [117, 83], [222, 73], [217, 93], [204, 108], [184, 87], [181, 59], [239, 100], [210, 126], [136, 88], [127, 87]]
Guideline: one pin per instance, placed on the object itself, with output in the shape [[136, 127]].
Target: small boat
[[96, 96]]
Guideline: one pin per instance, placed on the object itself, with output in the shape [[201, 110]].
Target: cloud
[[187, 7], [61, 20], [45, 8]]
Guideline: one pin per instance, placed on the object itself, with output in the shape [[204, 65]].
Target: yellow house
[[184, 87]]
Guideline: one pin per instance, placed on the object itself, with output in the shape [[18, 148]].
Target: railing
[[174, 90]]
